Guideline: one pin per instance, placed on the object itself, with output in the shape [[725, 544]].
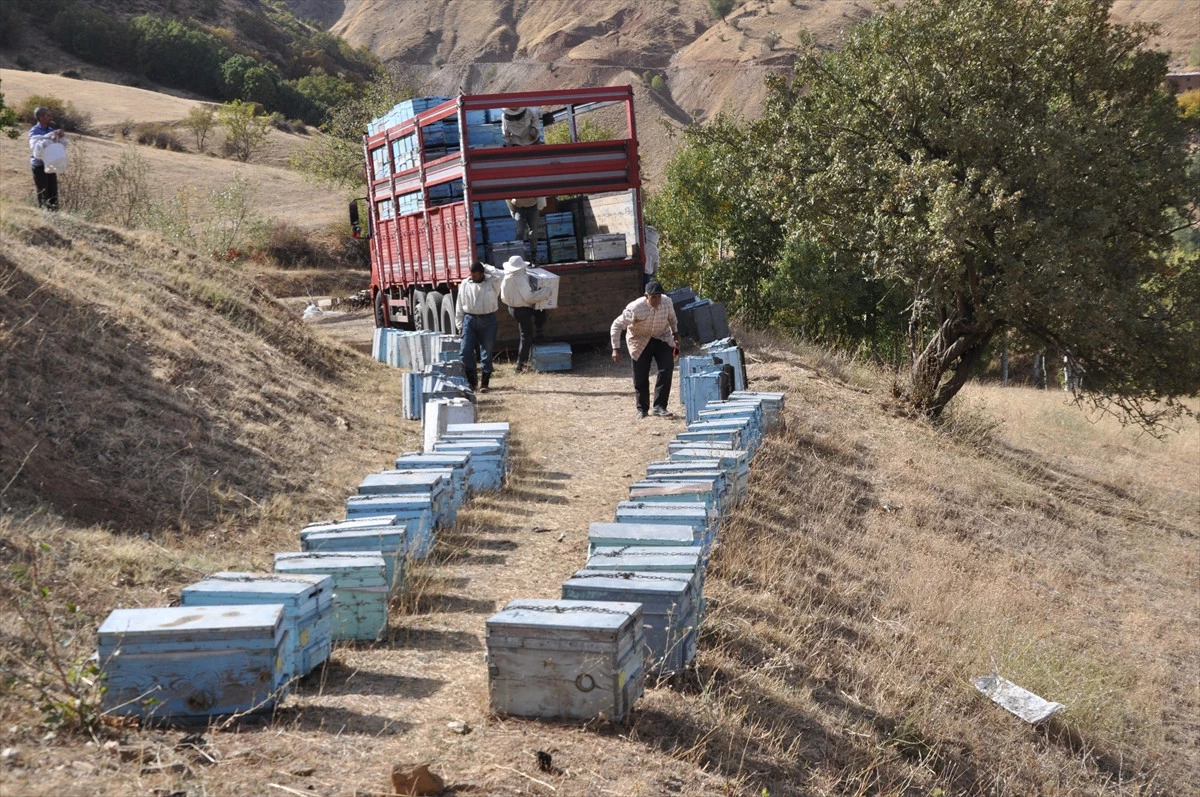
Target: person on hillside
[[520, 296], [652, 336], [475, 317], [42, 134]]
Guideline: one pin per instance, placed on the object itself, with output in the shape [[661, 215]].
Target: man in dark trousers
[[652, 335], [41, 134], [475, 317]]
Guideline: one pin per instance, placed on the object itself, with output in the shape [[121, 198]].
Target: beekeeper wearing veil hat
[[520, 129], [518, 293]]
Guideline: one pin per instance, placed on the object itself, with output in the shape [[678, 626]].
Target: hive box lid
[[666, 487], [435, 459], [365, 566], [639, 586], [683, 510], [291, 588], [393, 503], [389, 482], [482, 448], [388, 539], [178, 624], [642, 533], [567, 617], [351, 524], [491, 427]]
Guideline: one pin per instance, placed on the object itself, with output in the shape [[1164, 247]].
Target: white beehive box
[[308, 609], [541, 278], [459, 464], [670, 604], [360, 591], [186, 662], [622, 535], [606, 246], [573, 660]]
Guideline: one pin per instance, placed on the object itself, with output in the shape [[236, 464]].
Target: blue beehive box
[[680, 489], [698, 389], [414, 510], [751, 435], [551, 357], [307, 602], [365, 522], [772, 404], [724, 482], [459, 464], [648, 559], [498, 429], [456, 484], [559, 659], [360, 590], [193, 662], [438, 485], [635, 535], [670, 606], [487, 461], [690, 515], [387, 541], [729, 437]]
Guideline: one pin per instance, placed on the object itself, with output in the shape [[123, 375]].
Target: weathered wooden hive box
[[387, 541], [497, 438], [412, 402], [415, 511], [360, 591], [726, 410], [728, 437], [626, 535], [456, 483], [722, 352], [551, 357], [459, 463], [772, 404], [487, 462], [653, 559], [192, 662], [438, 485], [560, 659], [697, 389], [307, 602], [702, 491], [751, 432], [692, 515], [708, 470], [734, 462], [670, 603]]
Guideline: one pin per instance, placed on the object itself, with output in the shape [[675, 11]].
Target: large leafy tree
[[1011, 164]]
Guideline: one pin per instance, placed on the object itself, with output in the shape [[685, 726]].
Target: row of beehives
[[237, 640], [636, 605]]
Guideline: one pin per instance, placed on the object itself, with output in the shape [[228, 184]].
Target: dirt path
[[378, 705]]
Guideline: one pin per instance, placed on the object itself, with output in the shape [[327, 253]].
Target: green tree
[[245, 129], [1030, 185], [586, 130], [8, 119], [336, 157], [200, 121]]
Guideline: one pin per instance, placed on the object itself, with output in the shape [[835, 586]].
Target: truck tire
[[448, 314], [382, 316], [417, 303], [431, 316]]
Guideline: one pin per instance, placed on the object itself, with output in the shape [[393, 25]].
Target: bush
[[720, 8], [245, 131], [200, 122], [158, 135], [1189, 106], [64, 113], [94, 36], [658, 84], [291, 247]]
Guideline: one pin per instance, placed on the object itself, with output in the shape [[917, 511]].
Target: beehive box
[[648, 559], [501, 428], [366, 522], [637, 535], [751, 436], [676, 490], [670, 603], [708, 470], [606, 246], [497, 438], [436, 484], [441, 412], [460, 465], [698, 389], [456, 484], [572, 660], [728, 436], [415, 510], [487, 462], [193, 662], [772, 404], [551, 357], [541, 278], [388, 542], [307, 602], [360, 590], [690, 515]]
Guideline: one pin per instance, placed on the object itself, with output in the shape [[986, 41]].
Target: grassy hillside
[[162, 417]]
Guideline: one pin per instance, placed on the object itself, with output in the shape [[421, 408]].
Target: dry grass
[[185, 422]]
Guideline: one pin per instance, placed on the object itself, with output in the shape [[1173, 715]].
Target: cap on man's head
[[653, 288]]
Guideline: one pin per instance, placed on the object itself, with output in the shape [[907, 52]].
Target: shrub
[[65, 115], [93, 35], [772, 38], [245, 131], [720, 8], [200, 122], [1189, 106], [658, 84], [291, 247], [159, 136]]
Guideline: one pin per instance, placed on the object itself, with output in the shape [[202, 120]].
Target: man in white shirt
[[521, 298], [475, 317], [652, 335]]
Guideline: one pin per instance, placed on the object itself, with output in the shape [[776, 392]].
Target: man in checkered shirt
[[652, 335]]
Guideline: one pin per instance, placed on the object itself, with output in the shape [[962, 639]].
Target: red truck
[[438, 176]]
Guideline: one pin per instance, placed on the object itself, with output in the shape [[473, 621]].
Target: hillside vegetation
[[162, 418]]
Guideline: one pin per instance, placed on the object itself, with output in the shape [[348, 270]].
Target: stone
[[9, 754], [415, 779], [459, 727]]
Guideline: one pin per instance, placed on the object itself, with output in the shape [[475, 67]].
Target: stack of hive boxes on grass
[[238, 640], [648, 565], [431, 363], [702, 320]]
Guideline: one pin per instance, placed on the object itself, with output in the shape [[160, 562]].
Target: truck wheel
[[448, 314], [417, 304], [382, 318], [432, 312]]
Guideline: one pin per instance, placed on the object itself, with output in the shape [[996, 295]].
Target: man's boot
[[487, 377], [472, 378]]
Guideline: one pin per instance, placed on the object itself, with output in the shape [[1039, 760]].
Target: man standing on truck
[[652, 335], [520, 129], [475, 317], [520, 296]]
